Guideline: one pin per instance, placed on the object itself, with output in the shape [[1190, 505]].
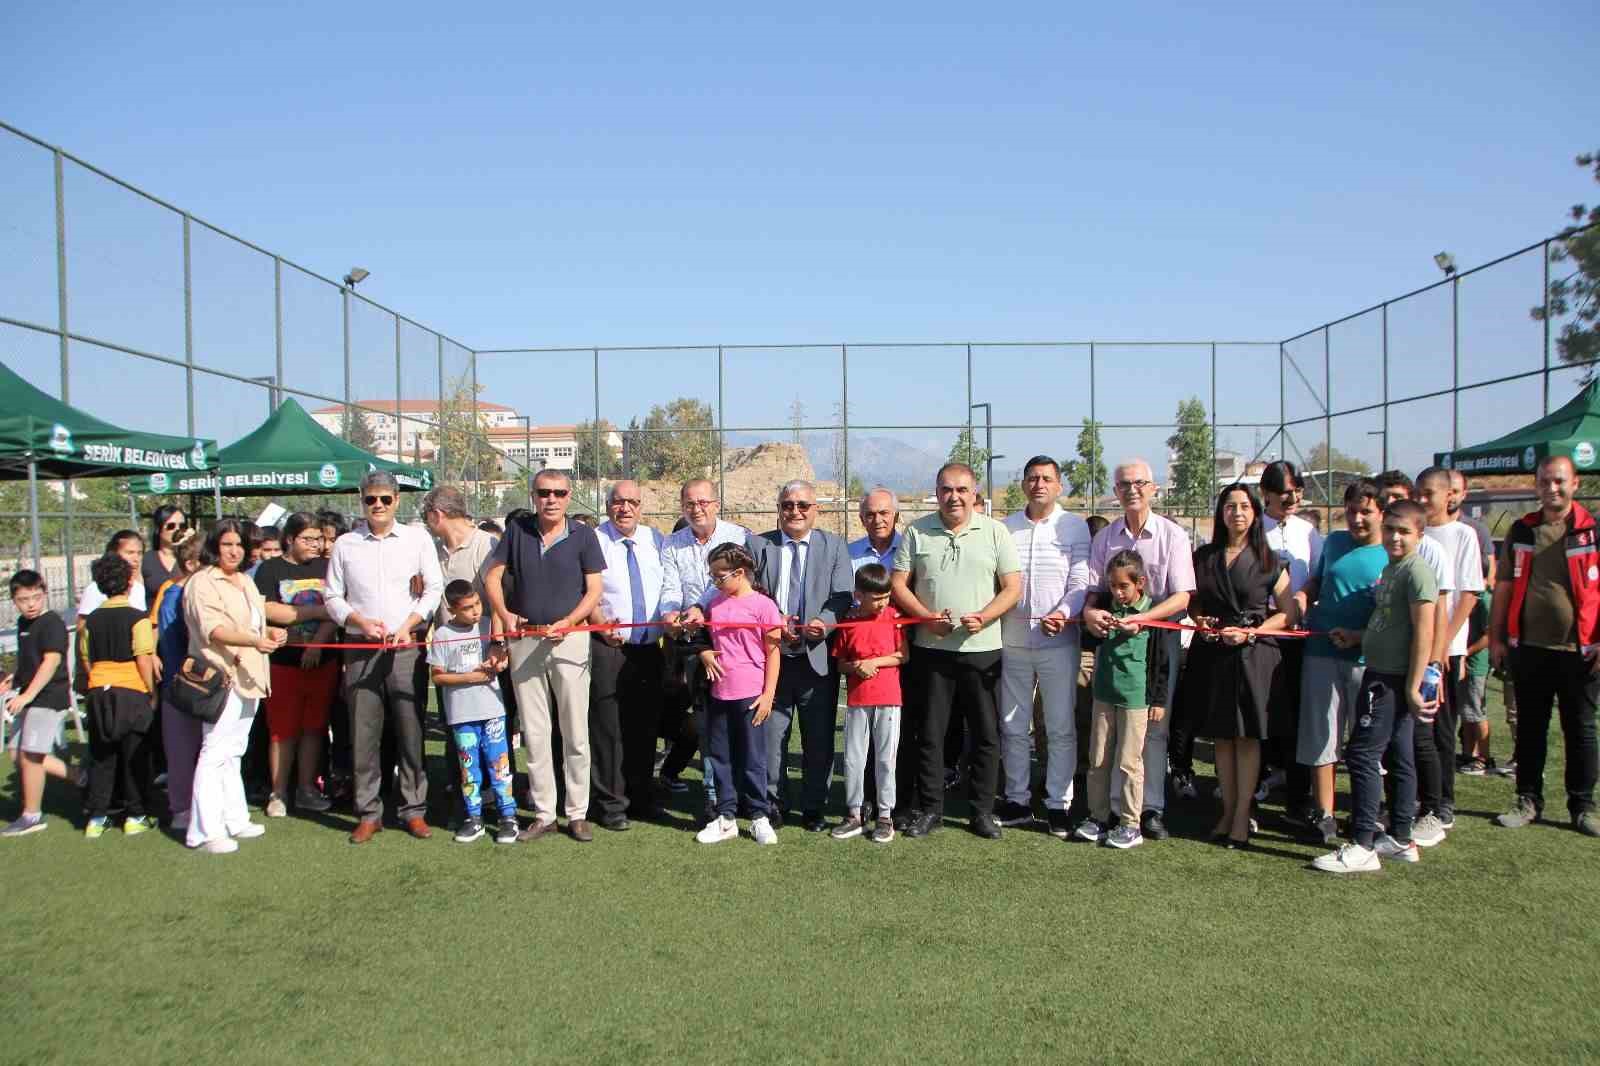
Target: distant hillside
[[885, 461]]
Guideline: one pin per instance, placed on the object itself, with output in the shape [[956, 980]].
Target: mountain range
[[887, 461]]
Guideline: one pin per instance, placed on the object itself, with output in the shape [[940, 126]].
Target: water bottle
[[1431, 676]]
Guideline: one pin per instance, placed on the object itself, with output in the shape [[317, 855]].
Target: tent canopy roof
[[1572, 430]]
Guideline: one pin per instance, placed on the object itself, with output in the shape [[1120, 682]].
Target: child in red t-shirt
[[870, 657]]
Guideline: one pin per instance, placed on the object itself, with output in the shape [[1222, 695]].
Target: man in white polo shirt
[[1040, 646]]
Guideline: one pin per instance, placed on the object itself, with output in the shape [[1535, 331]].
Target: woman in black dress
[[1227, 684]]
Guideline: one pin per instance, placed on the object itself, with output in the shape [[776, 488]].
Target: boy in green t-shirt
[[1130, 667], [1396, 644], [1474, 713]]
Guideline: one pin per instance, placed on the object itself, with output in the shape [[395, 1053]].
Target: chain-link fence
[[139, 312]]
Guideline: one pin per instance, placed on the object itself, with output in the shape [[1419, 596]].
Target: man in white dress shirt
[[625, 665], [369, 596], [1041, 642]]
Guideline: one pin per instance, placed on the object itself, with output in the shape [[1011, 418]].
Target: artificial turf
[[645, 947]]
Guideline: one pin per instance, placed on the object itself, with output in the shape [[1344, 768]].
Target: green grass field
[[644, 947]]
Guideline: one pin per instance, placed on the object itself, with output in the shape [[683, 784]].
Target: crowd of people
[[970, 649]]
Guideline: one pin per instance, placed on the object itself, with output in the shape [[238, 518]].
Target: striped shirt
[[1054, 553]]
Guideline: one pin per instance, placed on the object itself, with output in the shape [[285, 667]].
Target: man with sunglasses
[[686, 588], [808, 572], [626, 674], [1169, 573], [554, 565], [960, 568], [369, 595]]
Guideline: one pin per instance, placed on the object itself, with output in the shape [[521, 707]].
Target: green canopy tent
[[1573, 430], [288, 454], [40, 434]]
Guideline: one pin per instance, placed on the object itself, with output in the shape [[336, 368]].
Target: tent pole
[[33, 513], [216, 493]]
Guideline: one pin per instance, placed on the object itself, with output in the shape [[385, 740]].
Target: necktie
[[635, 592], [797, 584]]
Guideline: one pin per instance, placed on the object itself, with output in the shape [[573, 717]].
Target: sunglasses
[[371, 501], [559, 494], [175, 525], [796, 505]]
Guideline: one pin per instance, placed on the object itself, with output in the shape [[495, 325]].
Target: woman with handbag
[[228, 632]]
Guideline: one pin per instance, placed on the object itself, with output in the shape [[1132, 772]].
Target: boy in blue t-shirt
[[1339, 596]]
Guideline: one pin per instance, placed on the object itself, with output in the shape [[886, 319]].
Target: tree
[[674, 442], [1086, 475], [458, 438], [966, 450], [1319, 459], [354, 427], [1013, 498], [1577, 293], [1192, 473], [597, 458]]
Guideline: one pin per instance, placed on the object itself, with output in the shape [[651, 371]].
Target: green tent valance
[[1573, 431], [288, 454], [60, 441]]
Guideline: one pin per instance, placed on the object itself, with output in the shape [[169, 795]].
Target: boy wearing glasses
[[1169, 581]]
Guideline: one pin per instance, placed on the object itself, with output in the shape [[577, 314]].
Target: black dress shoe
[[903, 819], [647, 812], [814, 822], [985, 826], [617, 823], [924, 823], [1152, 827], [775, 815]]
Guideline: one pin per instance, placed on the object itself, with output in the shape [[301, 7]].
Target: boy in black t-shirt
[[37, 698], [119, 648]]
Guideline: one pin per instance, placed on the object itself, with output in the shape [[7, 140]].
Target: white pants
[[218, 809], [1155, 737], [1056, 671]]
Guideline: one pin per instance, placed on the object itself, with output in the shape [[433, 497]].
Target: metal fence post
[[477, 460], [1385, 456], [66, 384], [1094, 438], [1455, 361], [399, 391], [721, 487], [844, 436], [594, 431], [188, 325], [277, 328], [1544, 302], [1327, 420], [440, 457], [1213, 478], [1283, 404]]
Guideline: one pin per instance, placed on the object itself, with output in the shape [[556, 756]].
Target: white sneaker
[[276, 807], [1427, 832], [1388, 847], [763, 833], [719, 829], [250, 831], [223, 846], [1349, 859]]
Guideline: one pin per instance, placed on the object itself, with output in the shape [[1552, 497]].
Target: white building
[[408, 437]]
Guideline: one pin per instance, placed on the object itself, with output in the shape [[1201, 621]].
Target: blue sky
[[932, 173]]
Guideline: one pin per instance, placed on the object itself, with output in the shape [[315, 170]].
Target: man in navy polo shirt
[[555, 567]]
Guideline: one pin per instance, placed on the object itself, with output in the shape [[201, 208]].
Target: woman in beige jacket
[[227, 630]]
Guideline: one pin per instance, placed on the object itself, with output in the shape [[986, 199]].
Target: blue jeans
[[1383, 724], [737, 752], [483, 744]]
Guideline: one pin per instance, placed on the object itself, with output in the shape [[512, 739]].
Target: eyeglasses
[[373, 501], [1134, 486], [309, 538], [718, 579], [796, 505], [698, 505], [618, 501], [543, 494]]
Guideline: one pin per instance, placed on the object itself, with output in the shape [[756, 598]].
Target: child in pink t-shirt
[[743, 667]]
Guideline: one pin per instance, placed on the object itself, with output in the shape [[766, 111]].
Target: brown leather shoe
[[536, 830], [418, 828], [365, 831], [580, 831]]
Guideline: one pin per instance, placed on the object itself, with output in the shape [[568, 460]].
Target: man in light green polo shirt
[[963, 566]]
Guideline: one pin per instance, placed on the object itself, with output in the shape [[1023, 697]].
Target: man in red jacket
[[1547, 621]]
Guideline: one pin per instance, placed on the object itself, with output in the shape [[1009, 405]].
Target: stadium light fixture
[[355, 277], [1446, 262]]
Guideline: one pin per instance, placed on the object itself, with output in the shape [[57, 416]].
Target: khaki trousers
[[1119, 729], [552, 678]]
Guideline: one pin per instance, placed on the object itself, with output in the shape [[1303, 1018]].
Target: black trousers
[[1446, 727], [913, 711], [965, 683], [119, 751], [1543, 679], [1284, 727], [681, 725], [624, 711]]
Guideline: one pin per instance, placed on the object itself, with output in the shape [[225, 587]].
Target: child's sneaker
[[1090, 830], [471, 829], [276, 807], [96, 828], [884, 831], [1388, 847], [1349, 859], [506, 832], [134, 826], [850, 827], [1124, 837], [28, 823], [719, 829], [763, 833], [1428, 831]]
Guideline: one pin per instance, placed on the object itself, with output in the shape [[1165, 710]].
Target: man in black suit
[[807, 572]]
